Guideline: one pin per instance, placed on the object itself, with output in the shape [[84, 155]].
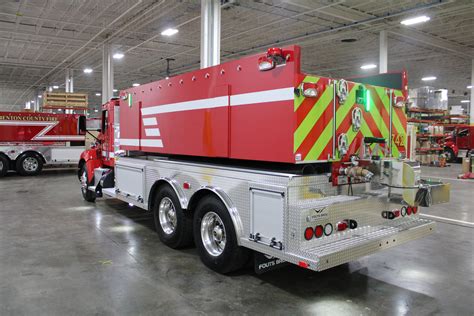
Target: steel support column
[[383, 52], [210, 33], [471, 104], [107, 74]]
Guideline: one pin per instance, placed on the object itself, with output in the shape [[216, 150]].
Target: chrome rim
[[30, 164], [213, 234], [84, 182], [167, 216]]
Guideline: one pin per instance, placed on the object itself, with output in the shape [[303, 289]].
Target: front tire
[[173, 225], [4, 163], [450, 157], [215, 237], [87, 194], [29, 164]]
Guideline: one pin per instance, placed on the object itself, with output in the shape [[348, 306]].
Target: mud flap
[[265, 263]]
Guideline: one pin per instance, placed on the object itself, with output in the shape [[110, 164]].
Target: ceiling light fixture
[[118, 56], [368, 66], [40, 96], [87, 70], [55, 87], [469, 87], [169, 32], [430, 78], [114, 90], [135, 84], [465, 101], [416, 20], [98, 94]]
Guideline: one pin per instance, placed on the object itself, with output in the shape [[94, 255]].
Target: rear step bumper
[[323, 257]]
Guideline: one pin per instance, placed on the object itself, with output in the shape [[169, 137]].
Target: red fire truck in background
[[459, 143], [28, 141], [254, 156]]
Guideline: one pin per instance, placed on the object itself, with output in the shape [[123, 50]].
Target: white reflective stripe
[[187, 106], [151, 142], [152, 131], [111, 154], [27, 123], [129, 142], [150, 121], [143, 142], [282, 94], [58, 137]]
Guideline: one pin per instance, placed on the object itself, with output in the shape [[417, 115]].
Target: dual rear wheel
[[210, 227]]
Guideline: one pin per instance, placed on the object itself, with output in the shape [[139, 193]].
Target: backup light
[[310, 90], [265, 63], [169, 32], [328, 229], [273, 58], [416, 20]]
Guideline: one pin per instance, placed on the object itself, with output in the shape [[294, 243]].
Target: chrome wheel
[[30, 164], [167, 216], [213, 234], [84, 182]]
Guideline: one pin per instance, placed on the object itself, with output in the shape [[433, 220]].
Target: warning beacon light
[[273, 58]]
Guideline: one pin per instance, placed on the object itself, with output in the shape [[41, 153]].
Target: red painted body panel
[[254, 130], [43, 128]]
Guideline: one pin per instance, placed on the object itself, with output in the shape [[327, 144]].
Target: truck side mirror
[[81, 125]]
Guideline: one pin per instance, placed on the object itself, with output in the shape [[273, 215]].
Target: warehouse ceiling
[[41, 38]]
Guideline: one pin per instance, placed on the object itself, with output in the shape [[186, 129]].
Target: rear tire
[[173, 225], [88, 195], [29, 164], [215, 237], [4, 164]]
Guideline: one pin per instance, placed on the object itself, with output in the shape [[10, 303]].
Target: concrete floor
[[60, 255]]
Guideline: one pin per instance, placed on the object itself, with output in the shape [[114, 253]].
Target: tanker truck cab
[[254, 157]]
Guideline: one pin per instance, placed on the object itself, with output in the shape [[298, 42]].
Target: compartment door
[[267, 216]]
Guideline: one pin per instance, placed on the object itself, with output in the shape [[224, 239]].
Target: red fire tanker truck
[[459, 143], [255, 157], [30, 140]]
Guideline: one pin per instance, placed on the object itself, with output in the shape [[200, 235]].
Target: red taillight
[[341, 226], [303, 264], [318, 231], [265, 63], [186, 185], [276, 54], [409, 210], [396, 213], [414, 209], [308, 233]]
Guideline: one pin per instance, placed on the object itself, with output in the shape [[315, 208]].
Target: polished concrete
[[60, 255]]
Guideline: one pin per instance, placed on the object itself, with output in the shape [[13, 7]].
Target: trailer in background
[[29, 141]]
